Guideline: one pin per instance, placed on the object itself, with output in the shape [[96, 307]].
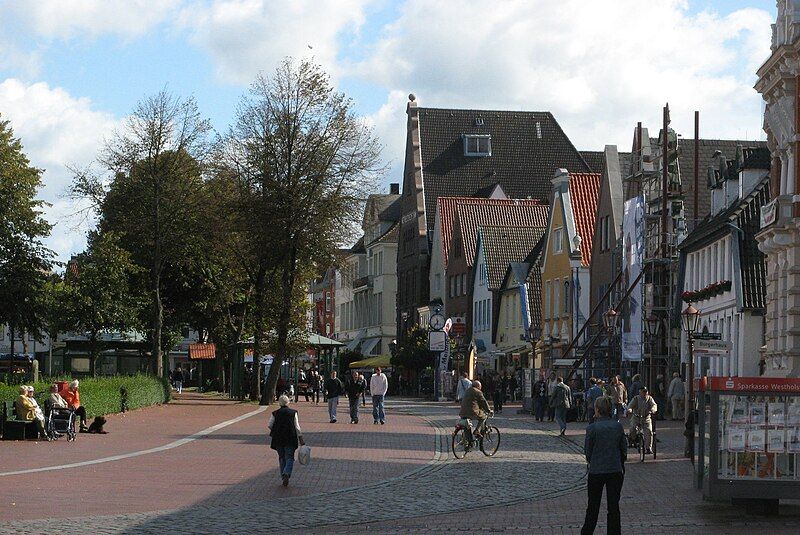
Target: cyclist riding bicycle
[[474, 406], [641, 409]]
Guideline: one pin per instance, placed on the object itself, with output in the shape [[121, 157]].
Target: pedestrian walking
[[333, 389], [499, 394], [561, 401], [363, 392], [540, 399], [619, 396], [316, 384], [594, 393], [378, 385], [464, 384], [177, 379], [606, 450], [660, 395], [284, 428], [676, 394], [355, 388], [551, 384]]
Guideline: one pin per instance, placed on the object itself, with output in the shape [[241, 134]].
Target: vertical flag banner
[[633, 258]]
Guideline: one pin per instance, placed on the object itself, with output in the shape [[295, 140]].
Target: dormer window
[[477, 144]]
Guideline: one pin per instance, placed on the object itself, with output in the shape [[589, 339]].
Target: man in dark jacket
[[606, 450], [284, 428], [355, 387], [333, 389]]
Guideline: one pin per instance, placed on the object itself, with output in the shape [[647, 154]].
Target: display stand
[[747, 441]]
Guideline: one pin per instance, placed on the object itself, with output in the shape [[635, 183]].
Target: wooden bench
[[14, 429]]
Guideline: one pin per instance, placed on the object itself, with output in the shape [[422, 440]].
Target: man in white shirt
[[464, 384], [378, 385], [676, 393]]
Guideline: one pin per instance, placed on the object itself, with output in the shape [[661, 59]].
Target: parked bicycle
[[464, 440]]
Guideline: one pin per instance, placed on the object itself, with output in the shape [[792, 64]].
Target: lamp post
[[610, 319], [690, 320], [653, 326]]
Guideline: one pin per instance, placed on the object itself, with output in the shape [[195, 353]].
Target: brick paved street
[[397, 478]]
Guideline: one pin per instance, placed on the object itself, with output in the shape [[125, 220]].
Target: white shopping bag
[[304, 455]]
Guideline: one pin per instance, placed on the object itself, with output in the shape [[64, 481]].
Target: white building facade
[[779, 85]]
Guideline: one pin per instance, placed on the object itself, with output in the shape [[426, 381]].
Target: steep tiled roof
[[527, 147], [757, 158], [447, 212], [505, 244], [390, 236], [513, 213], [597, 160], [584, 191], [686, 165], [744, 214]]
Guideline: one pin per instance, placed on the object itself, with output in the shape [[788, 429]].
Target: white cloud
[[599, 66], [56, 130], [127, 18], [244, 37]]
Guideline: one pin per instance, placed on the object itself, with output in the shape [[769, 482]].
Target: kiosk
[[747, 443]]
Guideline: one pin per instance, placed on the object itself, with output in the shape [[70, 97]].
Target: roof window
[[477, 144]]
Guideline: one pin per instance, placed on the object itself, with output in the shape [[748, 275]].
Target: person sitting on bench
[[73, 398], [27, 409]]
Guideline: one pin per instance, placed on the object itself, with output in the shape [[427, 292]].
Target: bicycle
[[636, 440], [463, 439]]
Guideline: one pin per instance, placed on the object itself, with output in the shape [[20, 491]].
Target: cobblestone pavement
[[532, 463], [535, 484]]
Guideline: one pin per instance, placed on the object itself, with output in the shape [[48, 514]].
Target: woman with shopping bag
[[285, 431]]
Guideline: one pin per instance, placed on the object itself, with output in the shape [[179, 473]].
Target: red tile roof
[[506, 213], [584, 192], [446, 207], [202, 351]]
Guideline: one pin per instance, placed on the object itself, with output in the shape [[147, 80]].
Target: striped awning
[[202, 351]]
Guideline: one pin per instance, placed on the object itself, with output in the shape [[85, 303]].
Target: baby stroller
[[61, 421]]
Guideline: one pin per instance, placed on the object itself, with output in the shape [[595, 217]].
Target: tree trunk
[[11, 333], [158, 320], [258, 321], [284, 318], [93, 354]]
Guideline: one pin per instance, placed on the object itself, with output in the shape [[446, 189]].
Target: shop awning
[[202, 351], [383, 361], [353, 344], [368, 345]]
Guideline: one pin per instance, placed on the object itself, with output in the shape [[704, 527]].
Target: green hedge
[[101, 395]]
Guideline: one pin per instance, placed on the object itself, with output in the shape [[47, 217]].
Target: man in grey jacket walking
[[561, 400], [606, 450]]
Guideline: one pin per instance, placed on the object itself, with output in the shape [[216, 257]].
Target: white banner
[[633, 252]]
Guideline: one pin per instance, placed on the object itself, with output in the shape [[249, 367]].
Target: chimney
[[394, 188]]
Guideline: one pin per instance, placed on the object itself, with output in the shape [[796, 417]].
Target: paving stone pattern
[[532, 464]]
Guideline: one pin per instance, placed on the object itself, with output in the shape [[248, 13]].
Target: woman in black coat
[[284, 428]]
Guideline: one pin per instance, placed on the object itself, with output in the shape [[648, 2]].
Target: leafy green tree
[[301, 164], [412, 351], [152, 202], [24, 261], [98, 296]]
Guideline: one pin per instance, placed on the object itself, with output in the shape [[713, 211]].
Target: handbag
[[304, 455]]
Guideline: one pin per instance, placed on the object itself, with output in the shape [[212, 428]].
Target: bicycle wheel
[[640, 447], [490, 441], [460, 443]]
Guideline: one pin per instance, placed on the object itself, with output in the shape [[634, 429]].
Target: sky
[[71, 70]]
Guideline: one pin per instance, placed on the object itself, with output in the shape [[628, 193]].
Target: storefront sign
[[437, 341], [751, 384], [717, 347]]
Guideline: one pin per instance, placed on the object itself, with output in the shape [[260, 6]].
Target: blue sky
[[71, 70]]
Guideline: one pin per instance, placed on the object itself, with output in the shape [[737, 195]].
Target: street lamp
[[610, 319], [690, 321]]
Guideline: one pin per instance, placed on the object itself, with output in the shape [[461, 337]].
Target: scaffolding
[[655, 173]]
